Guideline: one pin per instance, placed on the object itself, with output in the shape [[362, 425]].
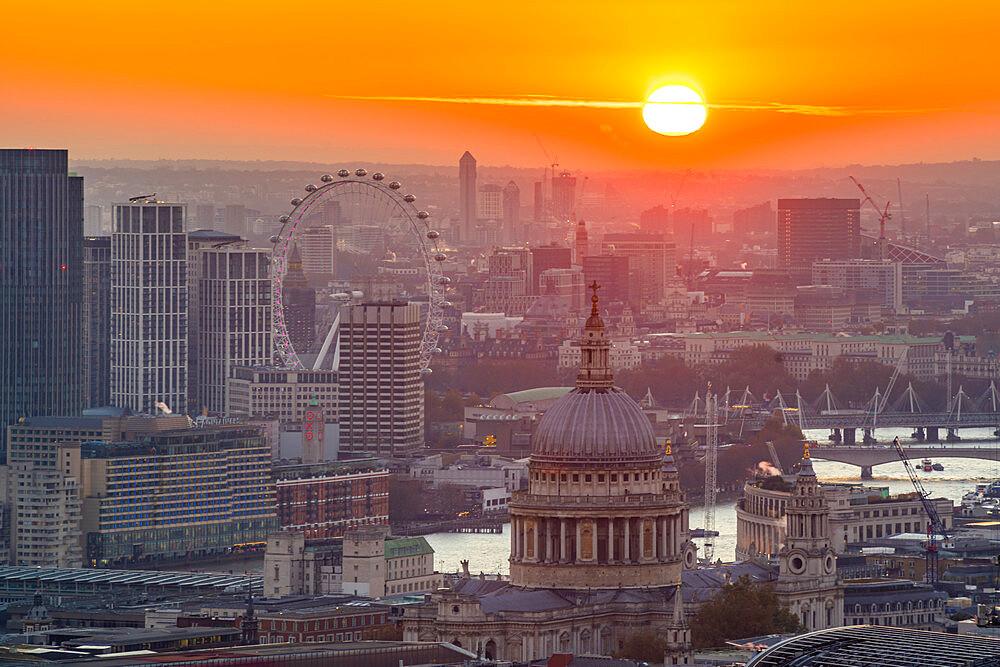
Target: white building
[[149, 306], [625, 355], [485, 325], [883, 277], [381, 392], [230, 321]]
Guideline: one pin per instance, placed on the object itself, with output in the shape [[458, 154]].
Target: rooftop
[[880, 646]]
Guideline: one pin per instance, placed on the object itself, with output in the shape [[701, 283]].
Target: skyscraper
[[582, 244], [817, 229], [96, 351], [298, 304], [512, 213], [41, 286], [563, 195], [547, 257], [467, 196], [149, 306], [490, 204], [381, 393], [230, 318], [655, 220], [652, 263]]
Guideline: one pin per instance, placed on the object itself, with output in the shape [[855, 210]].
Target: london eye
[[375, 220]]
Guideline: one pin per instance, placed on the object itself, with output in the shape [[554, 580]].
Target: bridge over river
[[869, 456]]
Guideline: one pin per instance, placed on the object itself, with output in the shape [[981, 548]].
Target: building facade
[[611, 272], [598, 540], [511, 212], [810, 230], [652, 263], [381, 401], [41, 285], [883, 277], [149, 307], [467, 197], [186, 493], [96, 326], [281, 393], [232, 298], [324, 500], [857, 513], [807, 564], [298, 305]]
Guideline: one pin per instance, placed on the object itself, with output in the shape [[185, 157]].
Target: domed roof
[[597, 422], [595, 425], [548, 308]]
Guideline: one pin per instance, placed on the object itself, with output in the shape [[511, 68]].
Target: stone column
[[593, 539], [562, 540], [626, 556], [578, 555], [538, 529], [654, 555]]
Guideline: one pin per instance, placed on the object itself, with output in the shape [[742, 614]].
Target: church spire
[[595, 351]]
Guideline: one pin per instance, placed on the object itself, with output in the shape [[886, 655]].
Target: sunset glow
[[358, 81], [674, 111]]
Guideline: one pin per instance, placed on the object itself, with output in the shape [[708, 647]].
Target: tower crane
[[935, 526], [883, 215], [711, 470]]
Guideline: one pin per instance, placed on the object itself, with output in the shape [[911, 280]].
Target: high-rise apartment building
[[883, 277], [810, 230], [545, 257], [96, 327], [149, 307], [230, 322], [490, 203], [612, 273], [235, 219], [539, 202], [41, 286], [93, 219], [467, 196], [563, 195], [512, 212], [652, 262], [267, 392], [381, 392], [509, 289], [655, 220], [298, 304], [206, 215], [315, 245], [757, 219]]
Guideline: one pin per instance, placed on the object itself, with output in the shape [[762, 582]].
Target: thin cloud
[[552, 101]]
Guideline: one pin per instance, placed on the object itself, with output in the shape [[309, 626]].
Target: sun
[[674, 111]]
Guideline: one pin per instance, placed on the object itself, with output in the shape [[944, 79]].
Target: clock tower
[[807, 575]]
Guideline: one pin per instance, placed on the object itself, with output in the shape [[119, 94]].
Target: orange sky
[[252, 80]]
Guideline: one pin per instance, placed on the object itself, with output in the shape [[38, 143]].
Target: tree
[[644, 646], [741, 609], [759, 367]]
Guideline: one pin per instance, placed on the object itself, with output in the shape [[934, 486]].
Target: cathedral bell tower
[[807, 574]]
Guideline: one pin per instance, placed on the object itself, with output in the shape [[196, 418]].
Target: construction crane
[[711, 470], [883, 215], [935, 526], [547, 182]]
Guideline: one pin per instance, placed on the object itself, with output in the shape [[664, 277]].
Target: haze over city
[[517, 335]]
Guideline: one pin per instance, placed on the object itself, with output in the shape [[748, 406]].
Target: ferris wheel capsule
[[378, 176], [296, 201], [433, 234], [311, 188], [444, 280], [326, 178], [445, 304], [360, 172], [274, 239], [283, 219], [425, 371], [343, 173], [440, 257], [395, 185], [409, 199], [423, 215], [436, 350], [442, 328]]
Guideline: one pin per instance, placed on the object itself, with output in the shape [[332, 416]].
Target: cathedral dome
[[595, 425], [596, 422]]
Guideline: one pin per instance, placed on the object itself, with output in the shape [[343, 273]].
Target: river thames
[[489, 553]]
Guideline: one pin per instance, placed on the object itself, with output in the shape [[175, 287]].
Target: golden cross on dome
[[594, 286], [805, 454]]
